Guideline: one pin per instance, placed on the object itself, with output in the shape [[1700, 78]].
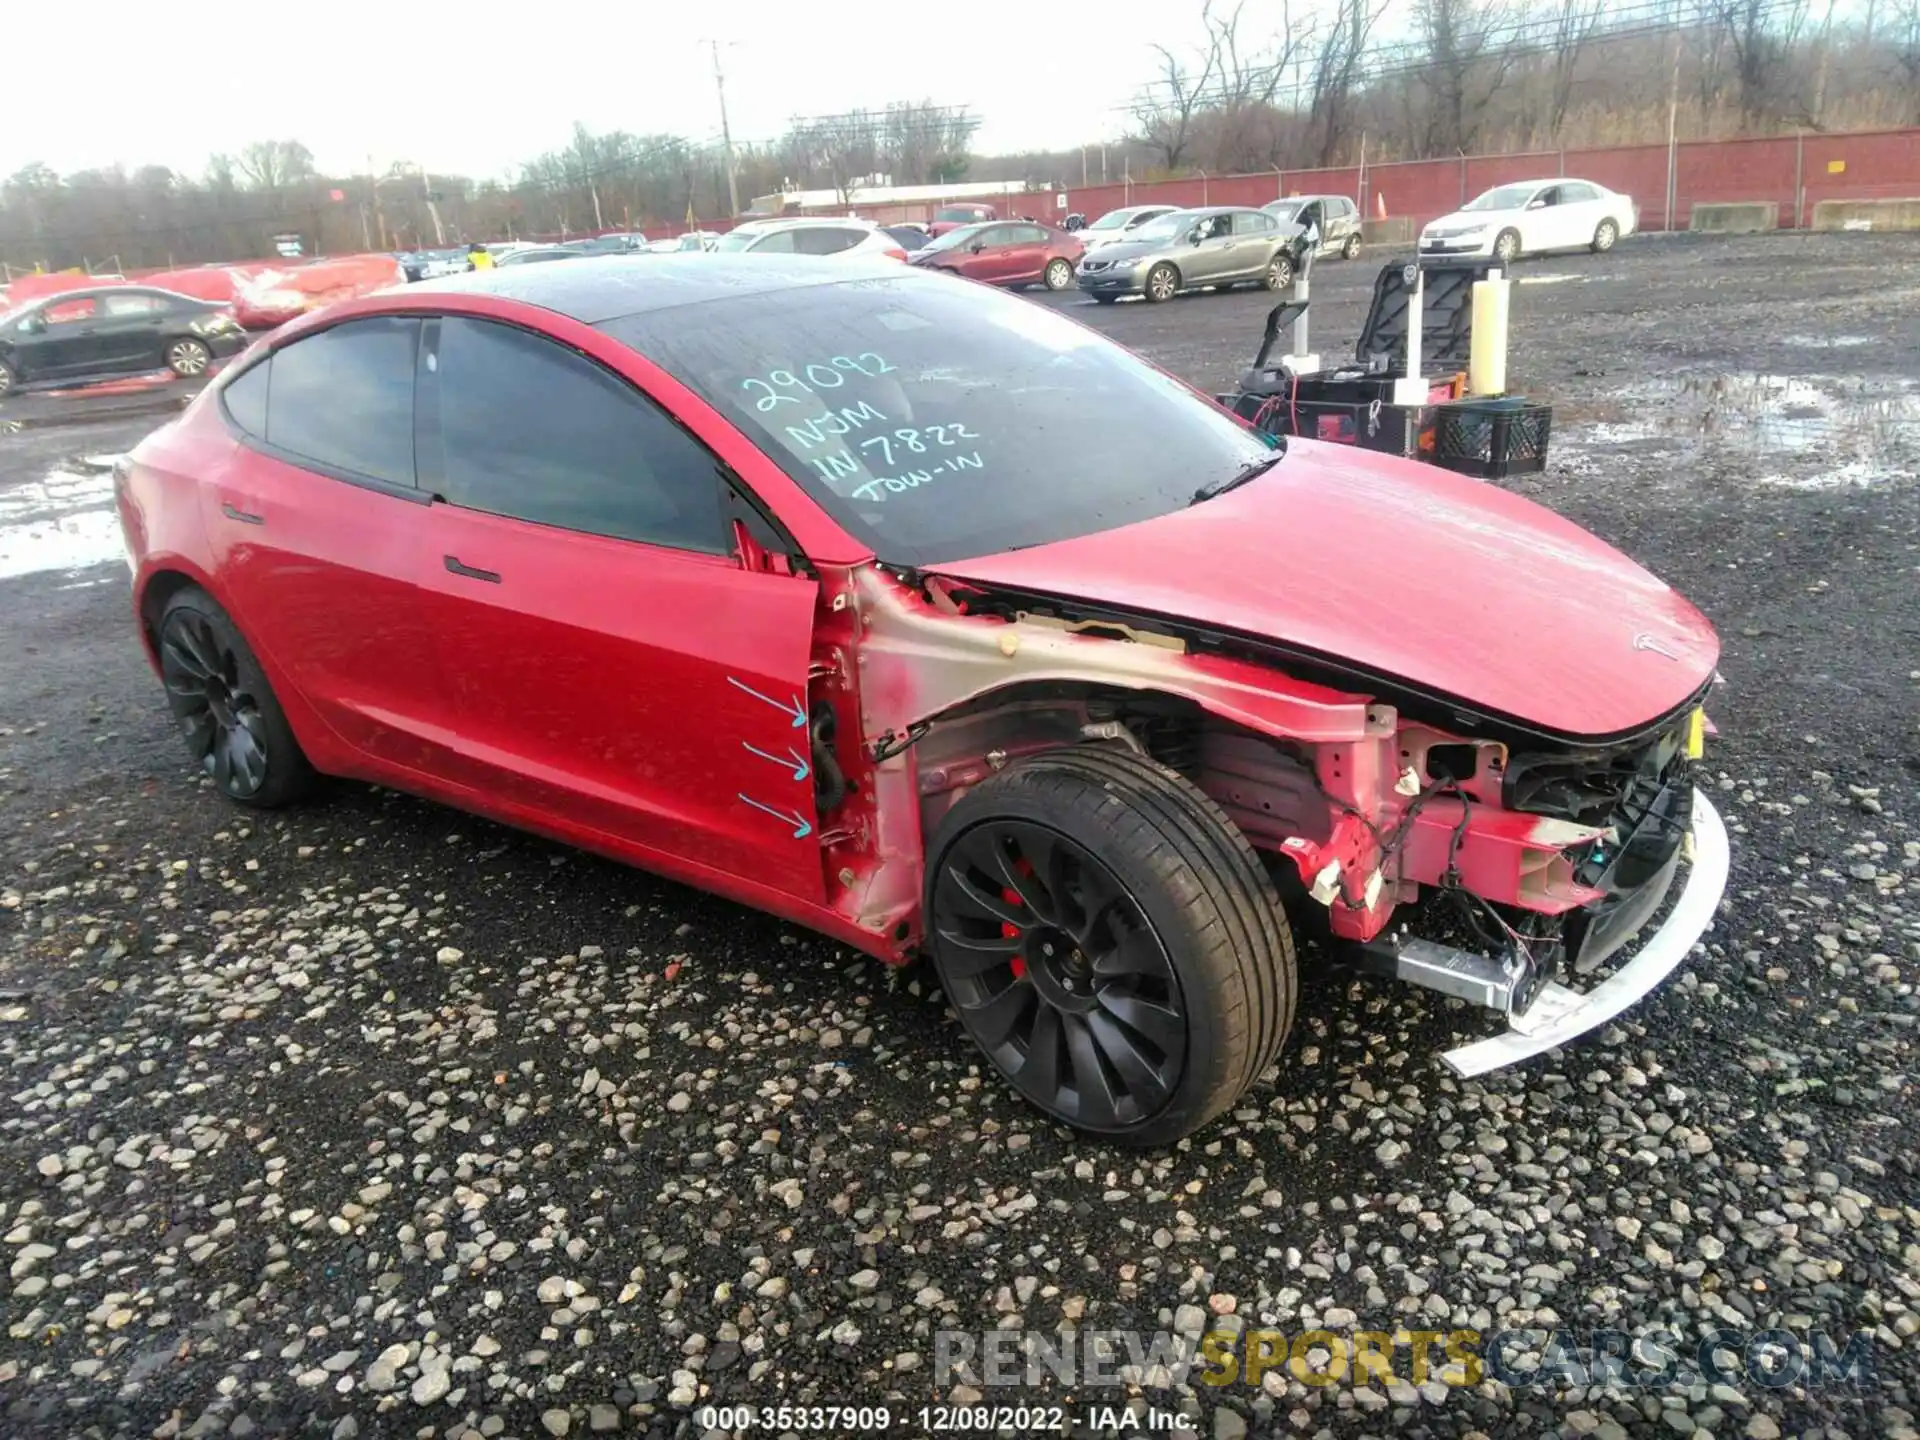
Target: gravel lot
[[373, 1118]]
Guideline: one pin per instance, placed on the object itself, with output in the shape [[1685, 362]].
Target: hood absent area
[[1405, 572]]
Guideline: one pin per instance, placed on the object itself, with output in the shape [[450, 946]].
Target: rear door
[[318, 534], [1026, 255], [1581, 209], [1254, 233], [612, 659], [131, 327]]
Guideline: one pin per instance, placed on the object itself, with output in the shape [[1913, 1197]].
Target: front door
[[1212, 258], [71, 343], [609, 657]]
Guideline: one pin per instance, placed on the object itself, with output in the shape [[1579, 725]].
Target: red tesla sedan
[[1005, 252], [935, 621]]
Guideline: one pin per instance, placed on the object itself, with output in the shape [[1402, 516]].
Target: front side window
[[1502, 197], [936, 421], [344, 398], [537, 432], [71, 312]]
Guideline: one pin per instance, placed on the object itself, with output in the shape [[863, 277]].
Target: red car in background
[[952, 217], [1005, 252]]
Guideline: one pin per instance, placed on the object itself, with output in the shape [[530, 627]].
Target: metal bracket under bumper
[[1558, 1014]]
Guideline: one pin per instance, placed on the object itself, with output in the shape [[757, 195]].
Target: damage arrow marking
[[802, 827], [793, 708], [800, 767]]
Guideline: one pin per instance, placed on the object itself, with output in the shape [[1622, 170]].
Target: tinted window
[[344, 398], [246, 399], [936, 421], [825, 240], [135, 304], [534, 431]]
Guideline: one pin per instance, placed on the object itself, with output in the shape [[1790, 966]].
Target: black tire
[[1185, 938], [7, 378], [1058, 275], [1351, 250], [188, 358], [1163, 283], [1605, 236], [1279, 272], [1506, 246], [235, 730]]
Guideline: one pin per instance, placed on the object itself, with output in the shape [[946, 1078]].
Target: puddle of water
[[1804, 431], [1826, 342], [63, 521]]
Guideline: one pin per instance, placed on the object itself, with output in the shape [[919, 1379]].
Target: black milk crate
[[1492, 438]]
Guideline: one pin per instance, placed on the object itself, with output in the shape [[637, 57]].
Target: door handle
[[232, 512], [454, 567]]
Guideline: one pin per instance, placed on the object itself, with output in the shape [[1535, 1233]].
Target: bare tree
[[1336, 74], [1463, 68], [1573, 25], [1760, 36], [1165, 110], [1905, 47], [842, 149], [273, 165]]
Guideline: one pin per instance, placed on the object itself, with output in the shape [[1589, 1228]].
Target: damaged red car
[[931, 619]]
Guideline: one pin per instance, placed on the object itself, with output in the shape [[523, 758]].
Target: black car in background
[[82, 335]]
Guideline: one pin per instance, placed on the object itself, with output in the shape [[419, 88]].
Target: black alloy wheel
[[1058, 975], [234, 728], [1110, 941]]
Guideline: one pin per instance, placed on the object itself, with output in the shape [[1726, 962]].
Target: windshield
[[936, 421], [1167, 227], [1502, 197], [1284, 213], [958, 212], [1113, 220], [954, 239]]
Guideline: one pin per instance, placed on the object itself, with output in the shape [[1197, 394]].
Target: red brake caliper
[[1007, 928]]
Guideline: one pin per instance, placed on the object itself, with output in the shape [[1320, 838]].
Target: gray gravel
[[372, 1119]]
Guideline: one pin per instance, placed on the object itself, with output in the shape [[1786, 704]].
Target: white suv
[[849, 237]]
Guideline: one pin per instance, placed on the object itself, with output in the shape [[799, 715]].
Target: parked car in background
[[910, 237], [852, 238], [1121, 224], [83, 335], [1532, 217], [941, 624], [619, 243], [1335, 217], [432, 264], [1004, 252], [1192, 249], [693, 242], [538, 255], [950, 217]]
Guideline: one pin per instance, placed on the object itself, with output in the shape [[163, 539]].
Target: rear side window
[[126, 305], [1029, 235], [1253, 222], [344, 398], [538, 432], [246, 399], [824, 240]]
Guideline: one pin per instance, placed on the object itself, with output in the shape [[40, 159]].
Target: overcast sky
[[474, 86]]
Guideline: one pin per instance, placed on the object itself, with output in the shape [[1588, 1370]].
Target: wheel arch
[[156, 585]]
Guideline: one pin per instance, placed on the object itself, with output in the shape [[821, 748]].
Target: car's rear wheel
[[1605, 234], [7, 378], [1279, 273], [1506, 247], [1351, 250], [188, 358], [1058, 275], [234, 727], [1163, 283], [1110, 942]]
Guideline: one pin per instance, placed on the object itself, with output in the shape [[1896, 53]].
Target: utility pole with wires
[[726, 132]]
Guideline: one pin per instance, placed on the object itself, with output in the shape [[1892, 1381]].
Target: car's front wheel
[[235, 730], [1605, 235], [7, 378], [1163, 283], [1058, 275], [1110, 942], [1506, 248], [188, 358], [1279, 273]]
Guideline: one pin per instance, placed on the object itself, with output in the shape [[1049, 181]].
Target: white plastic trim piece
[[1567, 1013]]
